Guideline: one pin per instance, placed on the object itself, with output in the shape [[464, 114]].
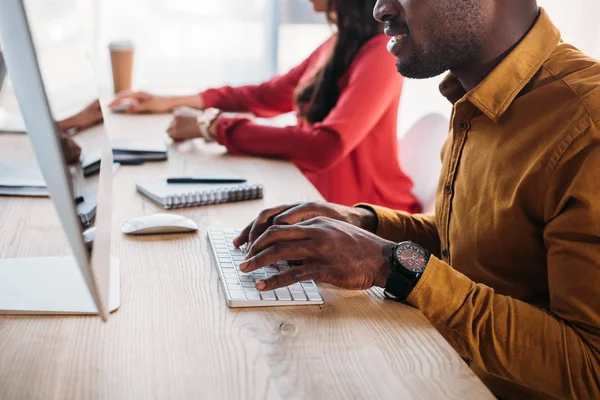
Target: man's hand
[[71, 150], [185, 124], [326, 250], [295, 213]]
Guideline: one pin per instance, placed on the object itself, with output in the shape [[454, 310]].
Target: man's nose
[[385, 10]]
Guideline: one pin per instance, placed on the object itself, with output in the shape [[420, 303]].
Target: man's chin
[[415, 70]]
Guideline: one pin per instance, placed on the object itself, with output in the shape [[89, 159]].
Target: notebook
[[189, 195], [146, 150], [126, 152], [22, 179]]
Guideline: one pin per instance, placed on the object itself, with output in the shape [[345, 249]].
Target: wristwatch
[[409, 261], [205, 121]]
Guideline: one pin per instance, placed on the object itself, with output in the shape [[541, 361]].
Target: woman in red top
[[346, 95]]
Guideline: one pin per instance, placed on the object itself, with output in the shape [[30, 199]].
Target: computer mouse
[[156, 224]]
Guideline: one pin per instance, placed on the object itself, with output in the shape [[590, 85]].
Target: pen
[[79, 200], [205, 180]]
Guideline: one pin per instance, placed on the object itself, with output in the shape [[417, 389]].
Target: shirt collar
[[498, 90]]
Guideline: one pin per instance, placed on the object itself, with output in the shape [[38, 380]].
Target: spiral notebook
[[169, 195]]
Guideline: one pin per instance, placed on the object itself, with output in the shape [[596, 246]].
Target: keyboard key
[[227, 266], [223, 259], [246, 278], [232, 281], [268, 295], [311, 290], [220, 246], [237, 295], [314, 296], [253, 296], [296, 287], [299, 296], [247, 284], [283, 294], [271, 269], [238, 258], [237, 252], [234, 286], [308, 284]]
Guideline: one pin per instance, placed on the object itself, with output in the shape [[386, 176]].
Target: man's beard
[[447, 50]]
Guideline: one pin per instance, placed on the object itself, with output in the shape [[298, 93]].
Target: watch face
[[411, 257]]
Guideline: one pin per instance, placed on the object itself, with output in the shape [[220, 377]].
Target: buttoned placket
[[459, 128]]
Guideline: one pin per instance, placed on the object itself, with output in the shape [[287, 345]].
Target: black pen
[[205, 180]]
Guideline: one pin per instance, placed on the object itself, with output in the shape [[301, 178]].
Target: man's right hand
[[296, 213], [142, 102]]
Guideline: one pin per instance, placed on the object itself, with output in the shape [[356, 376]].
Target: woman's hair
[[355, 26]]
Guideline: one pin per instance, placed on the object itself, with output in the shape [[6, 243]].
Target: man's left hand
[[322, 249]]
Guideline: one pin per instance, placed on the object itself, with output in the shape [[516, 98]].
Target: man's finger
[[290, 250], [297, 214], [243, 237], [277, 234], [263, 221], [295, 275]]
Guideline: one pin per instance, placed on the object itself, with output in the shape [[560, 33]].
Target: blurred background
[[183, 46]]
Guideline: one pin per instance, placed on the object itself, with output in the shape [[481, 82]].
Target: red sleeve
[[373, 83], [267, 100]]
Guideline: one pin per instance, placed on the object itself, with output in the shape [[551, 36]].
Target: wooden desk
[[174, 337]]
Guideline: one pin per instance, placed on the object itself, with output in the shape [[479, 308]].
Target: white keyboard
[[239, 286]]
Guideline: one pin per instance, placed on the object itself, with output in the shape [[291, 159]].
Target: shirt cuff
[[225, 127], [389, 222], [440, 292], [211, 98]]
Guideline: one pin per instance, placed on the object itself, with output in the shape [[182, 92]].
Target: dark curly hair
[[355, 26]]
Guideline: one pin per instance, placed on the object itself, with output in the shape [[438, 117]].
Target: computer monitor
[[88, 281], [2, 69]]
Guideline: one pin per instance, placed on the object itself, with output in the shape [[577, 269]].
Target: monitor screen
[[53, 81]]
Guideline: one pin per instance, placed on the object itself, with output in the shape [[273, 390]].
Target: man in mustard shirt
[[508, 268]]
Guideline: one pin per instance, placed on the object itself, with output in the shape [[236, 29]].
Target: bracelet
[[205, 123]]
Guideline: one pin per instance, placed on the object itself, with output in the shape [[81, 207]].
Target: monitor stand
[[52, 285]]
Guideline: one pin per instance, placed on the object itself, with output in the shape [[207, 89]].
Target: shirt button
[[462, 125], [445, 253], [448, 189]]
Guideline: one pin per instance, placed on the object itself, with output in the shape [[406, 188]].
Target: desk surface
[[174, 337]]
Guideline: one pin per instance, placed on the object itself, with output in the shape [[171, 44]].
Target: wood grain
[[174, 337]]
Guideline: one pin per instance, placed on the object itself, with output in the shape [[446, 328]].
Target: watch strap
[[399, 286]]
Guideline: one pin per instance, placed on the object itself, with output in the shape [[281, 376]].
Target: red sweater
[[352, 155]]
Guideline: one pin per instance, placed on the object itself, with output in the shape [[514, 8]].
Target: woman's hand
[[86, 118], [71, 150], [185, 124], [296, 213], [142, 102]]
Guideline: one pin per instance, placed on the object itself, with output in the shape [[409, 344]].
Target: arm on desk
[[372, 86], [272, 98]]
